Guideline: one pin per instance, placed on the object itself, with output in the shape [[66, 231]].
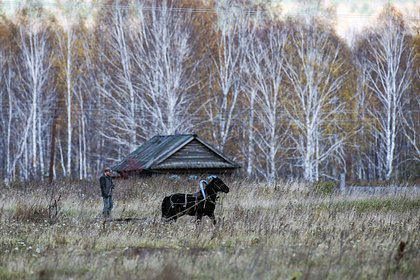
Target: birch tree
[[315, 71], [266, 88], [167, 68], [412, 118], [66, 44], [250, 92], [225, 78], [119, 94], [15, 117], [92, 145], [34, 67], [412, 128], [389, 62], [80, 98], [364, 164], [8, 112]]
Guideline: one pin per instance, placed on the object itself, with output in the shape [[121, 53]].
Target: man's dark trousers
[[108, 204]]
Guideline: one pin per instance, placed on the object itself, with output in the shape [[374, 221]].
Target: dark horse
[[179, 204]]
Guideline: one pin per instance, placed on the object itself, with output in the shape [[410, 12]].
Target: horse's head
[[218, 185]]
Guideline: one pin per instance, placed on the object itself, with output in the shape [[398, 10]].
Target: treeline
[[285, 98]]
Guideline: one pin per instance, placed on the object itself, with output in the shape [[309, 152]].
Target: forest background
[[284, 96]]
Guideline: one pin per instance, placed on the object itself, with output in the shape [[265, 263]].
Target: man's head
[[107, 171]]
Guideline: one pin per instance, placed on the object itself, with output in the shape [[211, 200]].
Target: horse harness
[[196, 202]]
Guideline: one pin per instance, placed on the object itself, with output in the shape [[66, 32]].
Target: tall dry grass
[[283, 231]]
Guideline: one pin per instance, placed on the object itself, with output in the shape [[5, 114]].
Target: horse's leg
[[213, 218], [177, 213], [171, 215], [199, 216]]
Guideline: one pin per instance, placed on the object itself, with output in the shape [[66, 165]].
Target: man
[[106, 190]]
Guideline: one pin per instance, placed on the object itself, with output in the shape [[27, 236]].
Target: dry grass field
[[281, 232]]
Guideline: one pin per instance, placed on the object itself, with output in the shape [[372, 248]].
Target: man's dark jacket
[[106, 186]]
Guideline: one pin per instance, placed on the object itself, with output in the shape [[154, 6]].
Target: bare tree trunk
[[69, 97], [51, 172]]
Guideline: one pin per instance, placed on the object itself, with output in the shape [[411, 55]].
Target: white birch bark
[[412, 128], [91, 103], [7, 112], [66, 49], [363, 161]]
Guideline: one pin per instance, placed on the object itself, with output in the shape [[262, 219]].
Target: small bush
[[30, 213], [325, 187]]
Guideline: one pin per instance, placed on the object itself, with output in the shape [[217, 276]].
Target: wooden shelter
[[184, 153]]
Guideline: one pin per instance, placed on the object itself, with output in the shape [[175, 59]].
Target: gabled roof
[[156, 154]]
